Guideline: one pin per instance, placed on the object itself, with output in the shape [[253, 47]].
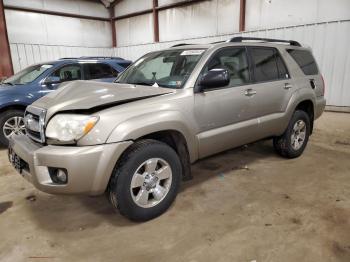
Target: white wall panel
[[81, 7], [32, 28], [329, 42], [135, 30], [131, 6], [273, 13], [227, 16], [202, 19], [24, 55]]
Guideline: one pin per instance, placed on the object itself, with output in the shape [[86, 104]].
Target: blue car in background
[[30, 84]]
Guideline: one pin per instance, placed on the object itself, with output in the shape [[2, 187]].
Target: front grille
[[34, 119]]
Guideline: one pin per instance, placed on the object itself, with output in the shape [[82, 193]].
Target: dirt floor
[[246, 204]]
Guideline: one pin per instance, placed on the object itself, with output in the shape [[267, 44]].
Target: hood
[[86, 95]]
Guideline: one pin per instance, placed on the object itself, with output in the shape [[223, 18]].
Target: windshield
[[27, 75], [168, 69]]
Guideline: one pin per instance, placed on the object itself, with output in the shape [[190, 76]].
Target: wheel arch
[[13, 107], [308, 107], [177, 141]]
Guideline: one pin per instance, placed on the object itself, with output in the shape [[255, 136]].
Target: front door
[[222, 114], [65, 73]]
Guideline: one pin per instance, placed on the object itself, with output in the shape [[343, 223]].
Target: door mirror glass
[[51, 80], [215, 78]]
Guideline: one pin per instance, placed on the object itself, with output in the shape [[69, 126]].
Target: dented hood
[[85, 95]]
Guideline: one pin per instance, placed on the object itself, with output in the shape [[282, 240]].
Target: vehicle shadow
[[77, 213], [231, 160]]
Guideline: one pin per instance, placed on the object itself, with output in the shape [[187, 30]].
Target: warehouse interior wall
[[262, 14], [43, 29], [321, 24]]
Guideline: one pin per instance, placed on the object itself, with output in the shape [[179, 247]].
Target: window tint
[[99, 70], [124, 64], [265, 65], [305, 60], [68, 73], [282, 69], [235, 61]]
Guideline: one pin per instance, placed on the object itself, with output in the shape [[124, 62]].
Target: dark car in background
[[30, 84]]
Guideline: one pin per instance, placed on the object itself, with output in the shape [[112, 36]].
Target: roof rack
[[218, 42], [182, 44], [100, 57], [241, 39]]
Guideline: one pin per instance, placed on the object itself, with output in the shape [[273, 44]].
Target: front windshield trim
[[182, 54]]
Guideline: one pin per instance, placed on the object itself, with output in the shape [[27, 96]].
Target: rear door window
[[99, 71], [268, 65], [305, 60]]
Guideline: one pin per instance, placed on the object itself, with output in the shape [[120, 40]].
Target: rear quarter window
[[305, 60]]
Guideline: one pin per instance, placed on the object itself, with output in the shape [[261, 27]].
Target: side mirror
[[51, 80], [214, 78]]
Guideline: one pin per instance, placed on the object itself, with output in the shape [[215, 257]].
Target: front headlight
[[70, 127]]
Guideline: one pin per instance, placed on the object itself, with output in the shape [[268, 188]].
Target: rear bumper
[[88, 168], [320, 106]]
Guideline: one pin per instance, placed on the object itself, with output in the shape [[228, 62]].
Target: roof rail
[[100, 57], [67, 58], [241, 39], [182, 44], [218, 42]]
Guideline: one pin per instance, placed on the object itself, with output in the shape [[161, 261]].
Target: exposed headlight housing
[[68, 128]]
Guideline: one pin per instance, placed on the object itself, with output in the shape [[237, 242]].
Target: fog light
[[58, 175], [61, 176]]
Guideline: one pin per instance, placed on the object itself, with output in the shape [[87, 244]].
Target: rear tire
[[7, 119], [146, 180], [294, 140]]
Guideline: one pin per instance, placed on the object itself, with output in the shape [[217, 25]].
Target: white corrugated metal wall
[[24, 55], [329, 42], [204, 22]]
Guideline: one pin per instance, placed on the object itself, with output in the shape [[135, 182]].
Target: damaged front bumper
[[88, 168]]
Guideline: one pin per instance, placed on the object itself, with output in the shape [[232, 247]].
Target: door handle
[[249, 92], [287, 86]]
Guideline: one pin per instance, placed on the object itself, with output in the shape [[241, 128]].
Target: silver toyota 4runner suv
[[136, 139]]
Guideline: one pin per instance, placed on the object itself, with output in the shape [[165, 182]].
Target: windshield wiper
[[8, 83]]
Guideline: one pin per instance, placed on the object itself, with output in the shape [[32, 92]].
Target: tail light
[[323, 86]]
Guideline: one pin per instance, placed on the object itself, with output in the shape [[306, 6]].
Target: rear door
[[272, 87]]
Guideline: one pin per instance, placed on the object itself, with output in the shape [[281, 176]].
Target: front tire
[[294, 140], [11, 122], [146, 180]]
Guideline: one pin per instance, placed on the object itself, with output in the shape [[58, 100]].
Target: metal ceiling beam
[[112, 22], [6, 68], [48, 12], [179, 4], [159, 8], [242, 7], [155, 21]]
